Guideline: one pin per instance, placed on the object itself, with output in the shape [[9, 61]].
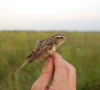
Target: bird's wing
[[41, 49], [38, 44], [30, 55]]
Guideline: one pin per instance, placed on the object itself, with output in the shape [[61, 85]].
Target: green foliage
[[82, 51]]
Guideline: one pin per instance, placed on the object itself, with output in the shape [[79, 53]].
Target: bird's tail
[[22, 66]]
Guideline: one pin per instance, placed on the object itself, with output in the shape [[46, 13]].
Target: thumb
[[45, 77]]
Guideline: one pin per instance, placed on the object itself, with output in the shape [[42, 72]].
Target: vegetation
[[82, 51]]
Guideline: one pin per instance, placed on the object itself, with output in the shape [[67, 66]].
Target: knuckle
[[34, 87], [73, 68], [63, 66], [46, 72]]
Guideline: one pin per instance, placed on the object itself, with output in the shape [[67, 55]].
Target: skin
[[63, 74]]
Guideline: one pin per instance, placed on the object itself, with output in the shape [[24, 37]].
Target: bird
[[45, 48]]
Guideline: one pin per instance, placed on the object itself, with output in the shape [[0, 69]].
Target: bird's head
[[59, 38]]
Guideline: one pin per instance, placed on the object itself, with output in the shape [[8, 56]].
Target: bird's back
[[42, 50]]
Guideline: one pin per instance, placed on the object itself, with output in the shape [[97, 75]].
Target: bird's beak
[[66, 38]]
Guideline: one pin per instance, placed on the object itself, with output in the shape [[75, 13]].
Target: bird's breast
[[53, 49]]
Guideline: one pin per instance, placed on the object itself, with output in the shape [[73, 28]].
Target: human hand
[[64, 75]]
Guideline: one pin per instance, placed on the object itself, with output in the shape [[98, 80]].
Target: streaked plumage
[[45, 48]]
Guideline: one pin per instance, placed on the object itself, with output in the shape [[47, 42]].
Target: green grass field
[[82, 51]]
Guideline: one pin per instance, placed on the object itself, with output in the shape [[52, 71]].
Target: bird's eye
[[61, 37]]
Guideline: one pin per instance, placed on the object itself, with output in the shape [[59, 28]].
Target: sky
[[68, 15]]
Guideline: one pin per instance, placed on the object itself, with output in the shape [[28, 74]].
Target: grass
[[82, 51]]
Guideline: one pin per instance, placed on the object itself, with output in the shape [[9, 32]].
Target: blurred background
[[24, 22]]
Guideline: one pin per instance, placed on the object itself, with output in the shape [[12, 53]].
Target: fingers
[[64, 77], [45, 77], [60, 74], [72, 76], [63, 72]]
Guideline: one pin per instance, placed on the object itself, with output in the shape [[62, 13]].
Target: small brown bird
[[45, 48]]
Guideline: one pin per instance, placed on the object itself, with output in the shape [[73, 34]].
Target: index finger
[[61, 81]]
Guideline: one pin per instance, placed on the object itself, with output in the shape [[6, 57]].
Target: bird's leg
[[50, 55]]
